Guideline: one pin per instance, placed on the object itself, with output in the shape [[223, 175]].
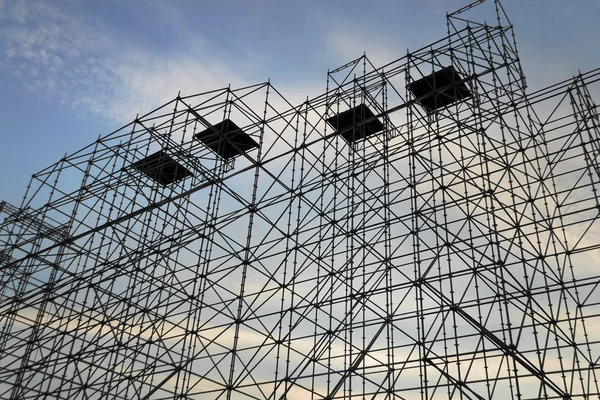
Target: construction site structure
[[427, 229]]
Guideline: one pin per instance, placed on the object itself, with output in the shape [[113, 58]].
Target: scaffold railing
[[426, 229]]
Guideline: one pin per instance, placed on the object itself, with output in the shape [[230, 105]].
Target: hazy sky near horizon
[[71, 70]]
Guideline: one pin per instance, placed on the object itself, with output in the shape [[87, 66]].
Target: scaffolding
[[427, 229]]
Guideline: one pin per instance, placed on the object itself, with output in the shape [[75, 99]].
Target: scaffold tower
[[426, 229]]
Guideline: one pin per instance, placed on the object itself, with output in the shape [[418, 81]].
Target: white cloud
[[64, 56], [148, 80], [88, 66], [350, 45]]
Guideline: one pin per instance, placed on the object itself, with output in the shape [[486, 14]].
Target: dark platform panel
[[344, 121], [439, 89], [162, 168], [227, 139]]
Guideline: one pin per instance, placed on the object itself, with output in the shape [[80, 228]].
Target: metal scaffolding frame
[[423, 230]]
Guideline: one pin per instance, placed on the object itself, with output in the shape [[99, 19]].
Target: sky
[[72, 70]]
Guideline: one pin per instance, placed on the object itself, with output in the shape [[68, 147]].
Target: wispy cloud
[[64, 54], [85, 64], [349, 45]]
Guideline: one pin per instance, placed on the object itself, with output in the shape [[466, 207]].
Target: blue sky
[[73, 70]]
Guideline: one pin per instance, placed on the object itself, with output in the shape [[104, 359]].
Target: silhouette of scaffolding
[[426, 229]]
